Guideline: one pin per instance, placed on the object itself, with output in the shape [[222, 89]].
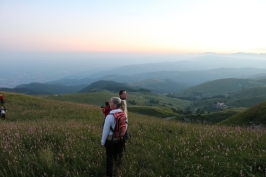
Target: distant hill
[[220, 87], [40, 88], [187, 78], [159, 85], [194, 63], [154, 85], [246, 101], [247, 97], [46, 71], [107, 85], [20, 90], [260, 76], [72, 82], [254, 115], [183, 79], [159, 82], [249, 92]]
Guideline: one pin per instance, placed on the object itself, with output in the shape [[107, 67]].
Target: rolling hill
[[247, 97], [72, 82], [41, 88], [106, 85], [158, 85], [220, 87], [181, 79], [253, 115]]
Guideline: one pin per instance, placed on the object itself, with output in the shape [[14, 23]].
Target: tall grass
[[50, 148], [156, 148], [69, 145]]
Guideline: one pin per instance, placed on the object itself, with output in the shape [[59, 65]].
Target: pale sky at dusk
[[149, 26]]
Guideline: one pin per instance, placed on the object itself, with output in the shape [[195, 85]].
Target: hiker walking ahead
[[113, 144]]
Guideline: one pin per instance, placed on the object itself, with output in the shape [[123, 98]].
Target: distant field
[[98, 98], [139, 98], [211, 118], [152, 111]]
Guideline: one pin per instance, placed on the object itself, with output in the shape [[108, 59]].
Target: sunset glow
[[150, 26]]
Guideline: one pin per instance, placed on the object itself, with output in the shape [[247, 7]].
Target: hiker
[[1, 98], [106, 108], [114, 146], [3, 112], [123, 96]]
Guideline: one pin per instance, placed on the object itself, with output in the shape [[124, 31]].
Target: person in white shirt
[[3, 112], [113, 146]]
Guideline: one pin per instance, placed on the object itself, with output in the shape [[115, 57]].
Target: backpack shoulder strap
[[111, 128]]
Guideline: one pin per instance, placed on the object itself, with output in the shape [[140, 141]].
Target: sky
[[139, 26]]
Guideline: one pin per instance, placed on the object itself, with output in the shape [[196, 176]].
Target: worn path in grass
[[168, 118]]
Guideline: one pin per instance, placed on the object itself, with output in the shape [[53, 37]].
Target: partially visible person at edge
[[114, 147], [106, 108], [1, 98], [123, 96]]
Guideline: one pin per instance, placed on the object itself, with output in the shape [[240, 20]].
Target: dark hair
[[121, 92], [106, 103]]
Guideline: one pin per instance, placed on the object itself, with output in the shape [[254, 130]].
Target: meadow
[[58, 138]]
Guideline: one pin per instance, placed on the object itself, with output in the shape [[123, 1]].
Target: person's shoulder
[[115, 111]]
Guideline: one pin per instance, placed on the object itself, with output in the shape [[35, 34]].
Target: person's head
[[116, 103], [123, 94], [106, 103]]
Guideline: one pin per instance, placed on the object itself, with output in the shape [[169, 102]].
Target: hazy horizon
[[45, 67]]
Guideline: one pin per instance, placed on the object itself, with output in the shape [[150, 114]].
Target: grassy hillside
[[57, 138], [247, 97], [254, 115], [152, 111], [135, 99], [41, 88], [249, 92], [93, 98], [219, 87], [22, 107], [246, 102]]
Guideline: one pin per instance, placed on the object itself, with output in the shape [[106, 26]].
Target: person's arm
[[106, 128], [103, 110]]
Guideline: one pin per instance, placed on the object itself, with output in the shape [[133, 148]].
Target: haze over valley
[[124, 68]]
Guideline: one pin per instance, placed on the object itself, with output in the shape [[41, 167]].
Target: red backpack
[[120, 126]]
